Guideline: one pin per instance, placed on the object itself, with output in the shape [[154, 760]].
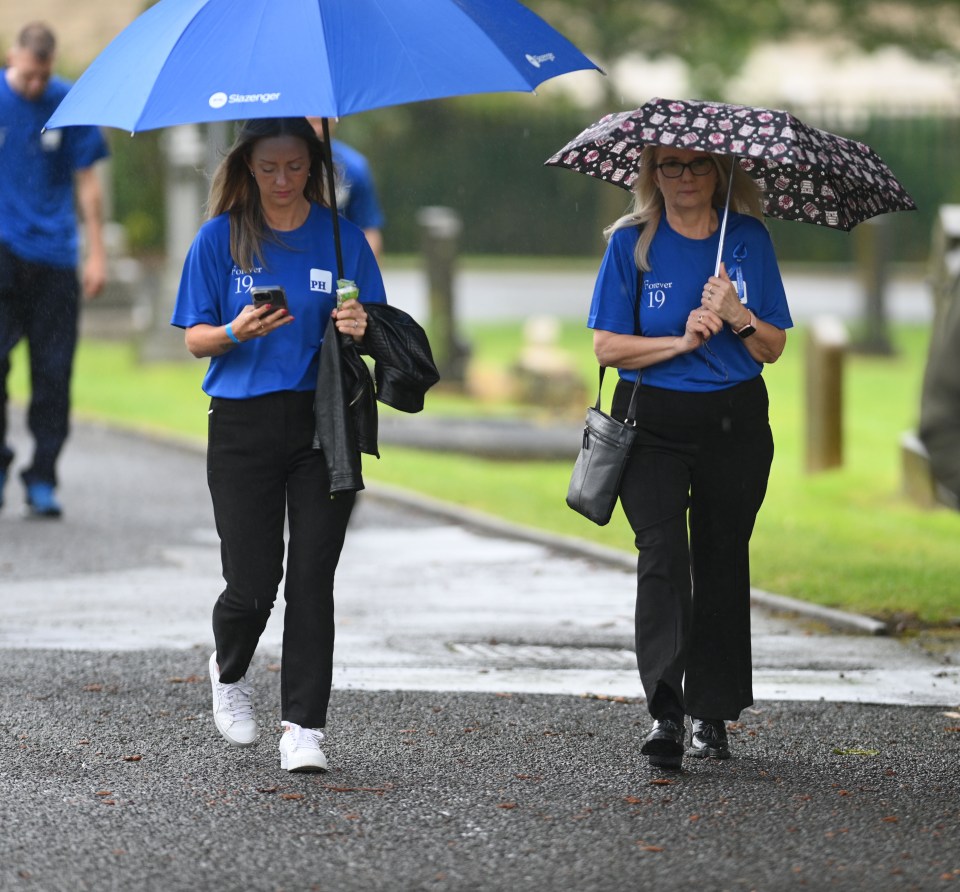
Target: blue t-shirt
[[356, 194], [680, 267], [213, 290], [38, 219]]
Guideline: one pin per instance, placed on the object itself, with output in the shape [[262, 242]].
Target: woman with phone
[[270, 228]]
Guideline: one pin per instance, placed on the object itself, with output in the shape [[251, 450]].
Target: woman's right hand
[[702, 324], [258, 322], [205, 340]]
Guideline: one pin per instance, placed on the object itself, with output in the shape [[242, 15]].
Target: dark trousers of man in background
[[39, 303]]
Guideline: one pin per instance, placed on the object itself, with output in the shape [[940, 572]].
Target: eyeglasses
[[699, 167]]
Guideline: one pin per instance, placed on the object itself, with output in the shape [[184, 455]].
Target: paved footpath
[[484, 728]]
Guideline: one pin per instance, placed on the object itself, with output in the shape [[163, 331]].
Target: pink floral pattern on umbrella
[[806, 174]]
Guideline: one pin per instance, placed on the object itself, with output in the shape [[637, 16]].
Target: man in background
[[356, 194], [45, 178]]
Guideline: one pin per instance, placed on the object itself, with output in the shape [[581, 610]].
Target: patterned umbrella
[[806, 174]]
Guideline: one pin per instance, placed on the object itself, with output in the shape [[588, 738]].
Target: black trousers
[[42, 304], [263, 471], [691, 491]]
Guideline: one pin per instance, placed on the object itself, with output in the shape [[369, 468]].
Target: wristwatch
[[748, 329]]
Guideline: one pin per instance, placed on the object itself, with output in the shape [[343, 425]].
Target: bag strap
[[631, 418]]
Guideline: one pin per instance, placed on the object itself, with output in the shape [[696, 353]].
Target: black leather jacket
[[345, 404]]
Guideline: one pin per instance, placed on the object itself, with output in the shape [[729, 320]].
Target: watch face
[[746, 331]]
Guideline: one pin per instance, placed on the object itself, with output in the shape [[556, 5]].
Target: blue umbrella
[[195, 61], [192, 61]]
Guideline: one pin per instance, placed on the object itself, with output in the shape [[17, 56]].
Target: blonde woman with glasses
[[697, 477]]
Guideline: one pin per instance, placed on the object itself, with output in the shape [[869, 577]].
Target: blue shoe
[[3, 483], [41, 501]]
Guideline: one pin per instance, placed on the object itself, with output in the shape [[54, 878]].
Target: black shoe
[[664, 744], [709, 739]]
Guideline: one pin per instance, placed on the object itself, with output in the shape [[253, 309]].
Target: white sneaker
[[232, 708], [300, 748]]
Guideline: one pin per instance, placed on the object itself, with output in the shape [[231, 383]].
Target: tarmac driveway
[[484, 728]]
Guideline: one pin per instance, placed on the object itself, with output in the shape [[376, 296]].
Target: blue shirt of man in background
[[356, 193]]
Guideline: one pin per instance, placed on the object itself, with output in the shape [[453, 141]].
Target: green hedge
[[483, 156]]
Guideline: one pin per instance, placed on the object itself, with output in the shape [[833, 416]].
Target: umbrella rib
[[406, 53], [150, 94]]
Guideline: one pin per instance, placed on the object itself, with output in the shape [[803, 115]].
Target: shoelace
[[708, 732], [304, 738], [237, 697]]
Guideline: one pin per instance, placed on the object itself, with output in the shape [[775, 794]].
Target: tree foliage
[[714, 37]]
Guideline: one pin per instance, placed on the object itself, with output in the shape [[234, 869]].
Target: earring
[[253, 174]]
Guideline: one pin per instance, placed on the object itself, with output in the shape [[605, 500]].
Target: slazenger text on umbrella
[[219, 100]]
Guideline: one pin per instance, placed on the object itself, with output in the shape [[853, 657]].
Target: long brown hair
[[234, 191], [745, 198]]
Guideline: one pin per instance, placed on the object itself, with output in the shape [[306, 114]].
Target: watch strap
[[748, 329]]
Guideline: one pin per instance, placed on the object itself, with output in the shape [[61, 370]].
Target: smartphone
[[274, 295]]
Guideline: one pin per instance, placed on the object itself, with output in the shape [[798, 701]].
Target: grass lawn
[[844, 538]]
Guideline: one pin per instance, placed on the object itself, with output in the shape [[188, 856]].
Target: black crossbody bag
[[605, 450]]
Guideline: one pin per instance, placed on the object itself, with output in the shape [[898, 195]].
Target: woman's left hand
[[720, 296], [351, 319]]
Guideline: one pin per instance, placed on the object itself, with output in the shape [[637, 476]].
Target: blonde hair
[[234, 191], [745, 198]]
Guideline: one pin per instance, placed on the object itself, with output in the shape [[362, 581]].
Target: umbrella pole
[[332, 190], [726, 212]]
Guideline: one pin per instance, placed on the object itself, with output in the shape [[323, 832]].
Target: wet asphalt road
[[113, 779], [112, 776]]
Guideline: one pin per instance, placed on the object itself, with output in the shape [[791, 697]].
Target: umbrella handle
[[726, 212], [345, 339], [332, 189]]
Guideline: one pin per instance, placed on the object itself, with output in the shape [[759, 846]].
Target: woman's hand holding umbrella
[[721, 297], [721, 300], [351, 319]]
